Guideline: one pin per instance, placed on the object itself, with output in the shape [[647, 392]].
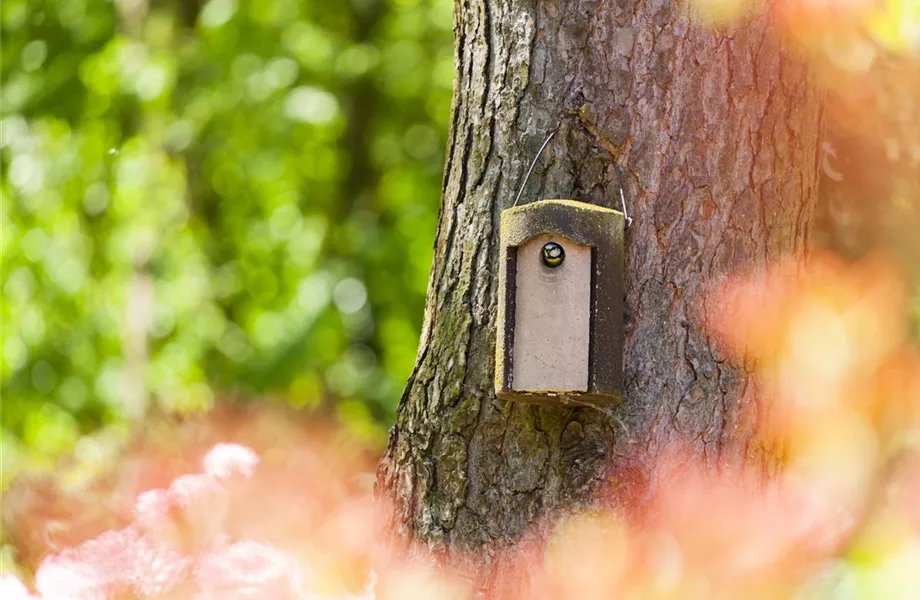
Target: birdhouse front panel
[[559, 335], [552, 332]]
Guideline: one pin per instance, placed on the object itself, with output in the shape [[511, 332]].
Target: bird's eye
[[553, 255]]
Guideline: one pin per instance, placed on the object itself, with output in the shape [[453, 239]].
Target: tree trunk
[[717, 136]]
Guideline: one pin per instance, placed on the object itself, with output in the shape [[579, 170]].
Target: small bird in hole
[[553, 254]]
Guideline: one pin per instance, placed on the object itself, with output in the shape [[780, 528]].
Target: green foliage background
[[200, 199]]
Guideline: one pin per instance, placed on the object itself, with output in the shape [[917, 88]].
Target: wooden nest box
[[560, 304]]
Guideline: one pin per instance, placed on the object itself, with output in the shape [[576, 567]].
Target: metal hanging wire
[[626, 216], [533, 164]]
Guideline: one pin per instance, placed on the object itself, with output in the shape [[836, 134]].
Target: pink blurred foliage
[[828, 341], [252, 505], [248, 524], [225, 460], [175, 546], [864, 53]]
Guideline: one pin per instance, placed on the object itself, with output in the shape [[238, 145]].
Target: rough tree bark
[[717, 134]]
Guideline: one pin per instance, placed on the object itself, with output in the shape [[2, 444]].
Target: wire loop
[[533, 164]]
